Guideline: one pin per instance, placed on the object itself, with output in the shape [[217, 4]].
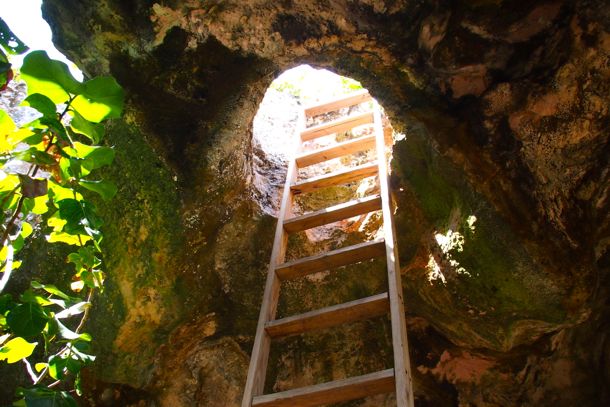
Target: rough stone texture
[[505, 108]]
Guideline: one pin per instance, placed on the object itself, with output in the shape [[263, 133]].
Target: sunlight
[[313, 85], [276, 120], [274, 127], [434, 271], [449, 242], [24, 18]]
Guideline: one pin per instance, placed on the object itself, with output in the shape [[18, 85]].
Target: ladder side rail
[[257, 370], [402, 367]]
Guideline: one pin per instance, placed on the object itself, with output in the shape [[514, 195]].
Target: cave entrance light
[[332, 144], [273, 143]]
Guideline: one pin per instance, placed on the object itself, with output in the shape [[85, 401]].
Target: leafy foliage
[[9, 43], [47, 168], [16, 349]]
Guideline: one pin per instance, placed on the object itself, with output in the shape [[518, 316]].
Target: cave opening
[[274, 127], [277, 130]]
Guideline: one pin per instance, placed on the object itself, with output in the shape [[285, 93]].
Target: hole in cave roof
[[275, 122], [274, 128]]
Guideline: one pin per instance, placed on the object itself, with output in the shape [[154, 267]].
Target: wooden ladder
[[397, 379]]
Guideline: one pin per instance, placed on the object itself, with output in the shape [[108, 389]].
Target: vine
[[48, 167]]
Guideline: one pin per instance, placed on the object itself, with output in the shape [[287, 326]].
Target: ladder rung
[[333, 213], [330, 260], [363, 308], [337, 150], [336, 178], [337, 126], [336, 104], [331, 392]]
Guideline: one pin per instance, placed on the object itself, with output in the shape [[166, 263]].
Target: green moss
[[427, 175], [142, 227], [496, 283]]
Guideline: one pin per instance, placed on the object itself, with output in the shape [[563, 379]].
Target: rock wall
[[505, 108]]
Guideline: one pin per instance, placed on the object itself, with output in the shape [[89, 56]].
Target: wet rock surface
[[504, 105]]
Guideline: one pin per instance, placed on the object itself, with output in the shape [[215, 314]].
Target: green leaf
[[70, 168], [87, 255], [78, 384], [51, 289], [92, 279], [26, 319], [6, 303], [56, 301], [100, 157], [56, 367], [80, 216], [73, 365], [29, 296], [101, 98], [8, 182], [5, 67], [26, 230], [41, 103], [49, 77], [35, 138], [45, 397], [9, 41], [18, 243], [6, 73], [8, 199], [84, 258], [50, 332], [16, 349], [106, 189], [38, 204], [70, 335], [57, 192], [93, 156], [35, 156], [56, 126], [79, 349], [76, 259], [66, 238], [76, 309], [93, 131], [7, 125]]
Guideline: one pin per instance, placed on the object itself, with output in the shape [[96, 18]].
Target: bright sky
[[314, 84], [24, 18]]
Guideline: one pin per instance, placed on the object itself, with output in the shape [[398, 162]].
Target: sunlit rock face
[[501, 187]]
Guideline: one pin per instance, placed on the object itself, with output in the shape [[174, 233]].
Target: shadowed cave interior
[[501, 184]]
